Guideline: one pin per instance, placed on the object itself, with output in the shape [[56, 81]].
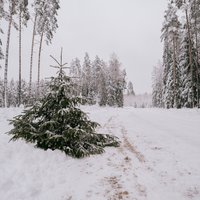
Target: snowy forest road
[[158, 159], [162, 148]]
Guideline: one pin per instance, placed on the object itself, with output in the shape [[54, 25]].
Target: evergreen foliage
[[130, 90], [116, 83], [75, 74], [103, 90], [181, 74], [188, 76], [103, 77], [56, 122], [87, 79], [157, 76]]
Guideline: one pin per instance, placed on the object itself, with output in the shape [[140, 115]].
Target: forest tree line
[[176, 80], [97, 81]]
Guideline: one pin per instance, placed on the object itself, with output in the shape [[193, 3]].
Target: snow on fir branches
[[56, 122]]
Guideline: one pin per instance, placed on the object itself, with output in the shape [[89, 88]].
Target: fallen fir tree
[[56, 122]]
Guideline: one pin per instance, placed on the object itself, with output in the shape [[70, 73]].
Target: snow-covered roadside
[[158, 159]]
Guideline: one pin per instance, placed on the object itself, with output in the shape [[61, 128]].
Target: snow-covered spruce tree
[[12, 94], [75, 74], [24, 92], [130, 90], [188, 76], [116, 83], [167, 60], [86, 79], [57, 123], [185, 7], [170, 36], [96, 78], [103, 76], [157, 85]]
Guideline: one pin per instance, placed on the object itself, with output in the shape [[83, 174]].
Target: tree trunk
[[39, 62], [20, 56], [174, 73], [31, 60], [190, 56], [197, 53], [6, 60]]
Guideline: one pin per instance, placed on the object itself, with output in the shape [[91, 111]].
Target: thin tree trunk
[[190, 56], [174, 73], [20, 56], [31, 60], [197, 53], [6, 60], [39, 65]]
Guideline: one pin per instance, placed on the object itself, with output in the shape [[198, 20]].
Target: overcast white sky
[[130, 28]]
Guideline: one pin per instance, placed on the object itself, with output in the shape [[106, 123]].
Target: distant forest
[[96, 81]]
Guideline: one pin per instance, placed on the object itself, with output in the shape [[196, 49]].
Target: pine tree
[[12, 99], [188, 76], [23, 18], [57, 123], [195, 31], [96, 78], [36, 6], [12, 11], [46, 27], [157, 79], [170, 36], [130, 90], [181, 76], [184, 6], [24, 93], [75, 74], [116, 83], [103, 77], [86, 79]]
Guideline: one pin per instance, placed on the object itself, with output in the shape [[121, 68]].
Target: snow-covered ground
[[159, 159]]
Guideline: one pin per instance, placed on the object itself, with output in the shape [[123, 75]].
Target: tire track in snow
[[115, 189], [125, 167], [130, 146]]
